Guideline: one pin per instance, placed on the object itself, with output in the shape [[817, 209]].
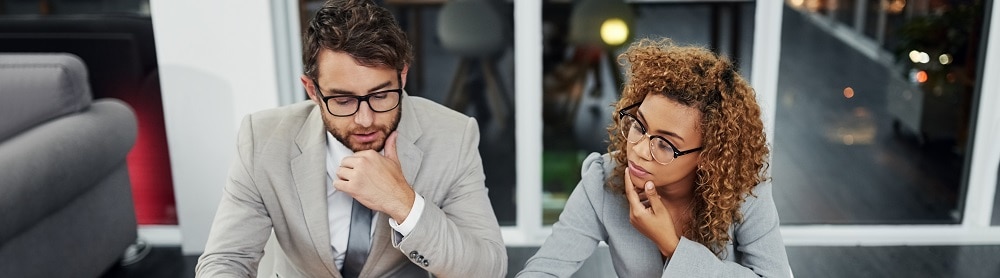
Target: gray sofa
[[65, 198]]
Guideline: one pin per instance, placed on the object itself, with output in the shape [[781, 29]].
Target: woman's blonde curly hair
[[734, 154]]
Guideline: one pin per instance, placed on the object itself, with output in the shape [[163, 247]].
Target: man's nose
[[365, 116]]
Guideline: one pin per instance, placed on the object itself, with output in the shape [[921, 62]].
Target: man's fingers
[[340, 185], [350, 162], [344, 174]]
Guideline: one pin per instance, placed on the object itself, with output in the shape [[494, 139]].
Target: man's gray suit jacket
[[278, 181]]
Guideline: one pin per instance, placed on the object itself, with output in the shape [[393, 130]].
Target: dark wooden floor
[[161, 262], [896, 261]]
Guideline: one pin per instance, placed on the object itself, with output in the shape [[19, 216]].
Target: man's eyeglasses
[[347, 105], [660, 148]]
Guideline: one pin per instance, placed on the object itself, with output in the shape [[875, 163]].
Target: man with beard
[[361, 180]]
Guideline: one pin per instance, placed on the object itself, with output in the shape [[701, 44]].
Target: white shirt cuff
[[411, 219]]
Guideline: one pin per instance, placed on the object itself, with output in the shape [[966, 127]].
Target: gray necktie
[[358, 241]]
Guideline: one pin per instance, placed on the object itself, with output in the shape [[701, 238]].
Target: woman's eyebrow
[[660, 131]]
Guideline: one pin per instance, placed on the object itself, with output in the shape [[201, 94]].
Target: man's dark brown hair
[[360, 28]]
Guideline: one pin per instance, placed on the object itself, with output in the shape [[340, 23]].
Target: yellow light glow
[[814, 5], [848, 139], [915, 56], [797, 3], [894, 6], [614, 31], [944, 59]]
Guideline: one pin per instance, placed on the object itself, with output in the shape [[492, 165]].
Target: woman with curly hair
[[682, 191]]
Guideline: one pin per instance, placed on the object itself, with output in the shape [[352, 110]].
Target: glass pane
[[876, 133], [842, 11], [465, 60], [582, 80]]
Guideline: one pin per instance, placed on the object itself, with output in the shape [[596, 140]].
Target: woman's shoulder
[[596, 162], [760, 193], [596, 170], [758, 209]]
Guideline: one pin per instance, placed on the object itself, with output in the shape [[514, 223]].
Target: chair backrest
[[472, 28]]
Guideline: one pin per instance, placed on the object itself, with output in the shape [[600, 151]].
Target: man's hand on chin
[[377, 181]]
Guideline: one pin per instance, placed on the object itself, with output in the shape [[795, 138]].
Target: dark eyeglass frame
[[364, 98], [623, 113]]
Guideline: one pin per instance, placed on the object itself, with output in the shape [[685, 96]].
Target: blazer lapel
[[309, 174], [406, 149], [379, 261]]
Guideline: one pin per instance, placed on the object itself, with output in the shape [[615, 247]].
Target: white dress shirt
[[339, 204]]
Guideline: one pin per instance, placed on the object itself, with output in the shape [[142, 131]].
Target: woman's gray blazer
[[594, 214]]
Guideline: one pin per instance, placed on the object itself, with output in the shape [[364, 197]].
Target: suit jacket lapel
[[379, 261], [309, 174], [409, 131]]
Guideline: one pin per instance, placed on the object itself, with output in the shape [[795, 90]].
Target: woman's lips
[[643, 175], [637, 171]]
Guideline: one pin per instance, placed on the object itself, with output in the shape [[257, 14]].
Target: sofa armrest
[[45, 167]]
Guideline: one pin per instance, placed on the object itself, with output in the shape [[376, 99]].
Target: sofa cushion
[[35, 88]]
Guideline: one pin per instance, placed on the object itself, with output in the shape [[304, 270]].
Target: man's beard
[[384, 130]]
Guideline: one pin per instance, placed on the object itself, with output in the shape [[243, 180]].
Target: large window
[[894, 148], [873, 127], [891, 147], [583, 80], [464, 59]]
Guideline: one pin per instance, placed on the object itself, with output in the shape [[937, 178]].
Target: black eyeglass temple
[[621, 113]]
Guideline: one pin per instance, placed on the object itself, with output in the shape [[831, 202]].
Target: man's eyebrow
[[660, 131], [334, 91]]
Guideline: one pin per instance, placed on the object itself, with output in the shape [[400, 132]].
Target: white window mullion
[[287, 50], [982, 184], [528, 120], [766, 56], [888, 235]]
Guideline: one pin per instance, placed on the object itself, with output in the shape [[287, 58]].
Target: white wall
[[217, 64]]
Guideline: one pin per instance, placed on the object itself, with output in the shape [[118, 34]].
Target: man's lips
[[365, 137]]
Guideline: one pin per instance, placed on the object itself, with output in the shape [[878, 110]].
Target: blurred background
[[880, 113]]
